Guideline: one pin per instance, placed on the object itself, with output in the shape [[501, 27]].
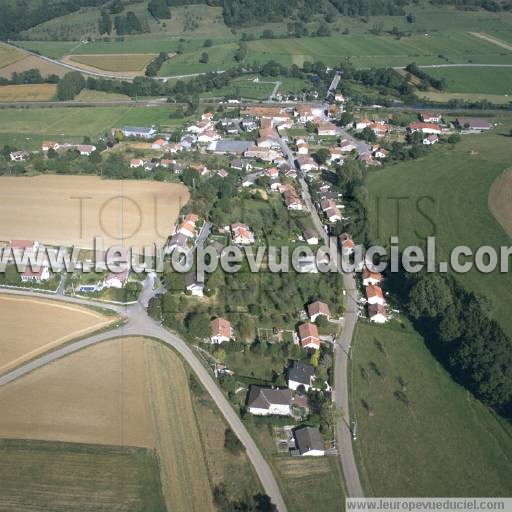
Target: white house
[[431, 139], [370, 277], [326, 129], [300, 374], [49, 144], [29, 275], [86, 149], [19, 156], [316, 309], [117, 279], [194, 285], [308, 335], [241, 234], [159, 144], [425, 128], [310, 237], [377, 313], [269, 401], [139, 132], [374, 295], [333, 214], [136, 162], [307, 164], [221, 330]]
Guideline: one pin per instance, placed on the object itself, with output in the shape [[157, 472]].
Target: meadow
[[475, 80], [41, 334], [68, 124], [9, 55], [131, 62], [29, 92], [445, 443], [451, 186], [134, 213], [75, 477]]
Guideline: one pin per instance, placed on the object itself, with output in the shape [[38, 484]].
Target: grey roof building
[[264, 401], [309, 441], [300, 374]]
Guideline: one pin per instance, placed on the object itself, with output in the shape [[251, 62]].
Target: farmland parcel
[[67, 210], [21, 340]]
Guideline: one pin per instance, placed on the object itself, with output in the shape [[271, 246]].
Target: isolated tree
[[208, 43], [104, 23], [322, 155], [429, 297], [70, 85], [204, 58], [232, 443]]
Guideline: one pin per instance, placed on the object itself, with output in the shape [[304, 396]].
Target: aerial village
[[287, 152]]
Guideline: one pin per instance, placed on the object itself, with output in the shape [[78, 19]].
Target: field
[[90, 95], [368, 50], [36, 92], [9, 55], [500, 201], [446, 443], [66, 401], [443, 97], [67, 477], [244, 88], [475, 80], [452, 185], [118, 63], [136, 213], [41, 334], [184, 474]]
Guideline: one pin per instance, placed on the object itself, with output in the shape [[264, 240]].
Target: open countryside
[[132, 213]]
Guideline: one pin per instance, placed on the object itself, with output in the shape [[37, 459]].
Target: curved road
[[140, 324]]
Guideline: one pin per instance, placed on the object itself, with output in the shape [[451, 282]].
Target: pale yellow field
[[123, 212], [32, 326], [9, 55], [97, 395], [28, 92], [30, 62], [130, 392], [116, 63], [500, 200], [498, 99]]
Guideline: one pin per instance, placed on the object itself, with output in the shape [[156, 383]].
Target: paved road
[[139, 324], [342, 349]]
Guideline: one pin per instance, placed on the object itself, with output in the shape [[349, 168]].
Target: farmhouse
[[207, 137], [309, 441], [377, 313], [300, 374], [307, 164], [241, 234], [333, 214], [316, 309], [159, 144], [48, 144], [136, 162], [19, 156], [431, 117], [374, 295], [347, 244], [267, 401], [29, 275], [346, 146], [302, 148], [221, 330], [194, 285], [428, 128], [117, 279], [308, 334], [473, 124], [371, 278], [431, 139], [86, 149], [187, 229], [139, 132], [200, 127], [326, 129], [310, 237], [292, 200]]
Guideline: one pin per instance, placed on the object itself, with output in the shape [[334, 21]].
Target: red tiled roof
[[221, 327], [318, 308]]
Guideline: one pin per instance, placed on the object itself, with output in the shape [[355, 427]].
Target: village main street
[[342, 347], [136, 322]]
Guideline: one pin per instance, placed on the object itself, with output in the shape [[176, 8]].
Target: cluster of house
[[291, 197], [82, 149], [185, 232], [376, 303], [29, 247]]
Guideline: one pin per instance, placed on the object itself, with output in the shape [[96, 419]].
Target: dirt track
[[492, 40]]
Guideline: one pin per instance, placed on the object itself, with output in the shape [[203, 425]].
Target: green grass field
[[65, 124], [452, 185], [475, 80], [39, 475], [445, 444], [245, 88]]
